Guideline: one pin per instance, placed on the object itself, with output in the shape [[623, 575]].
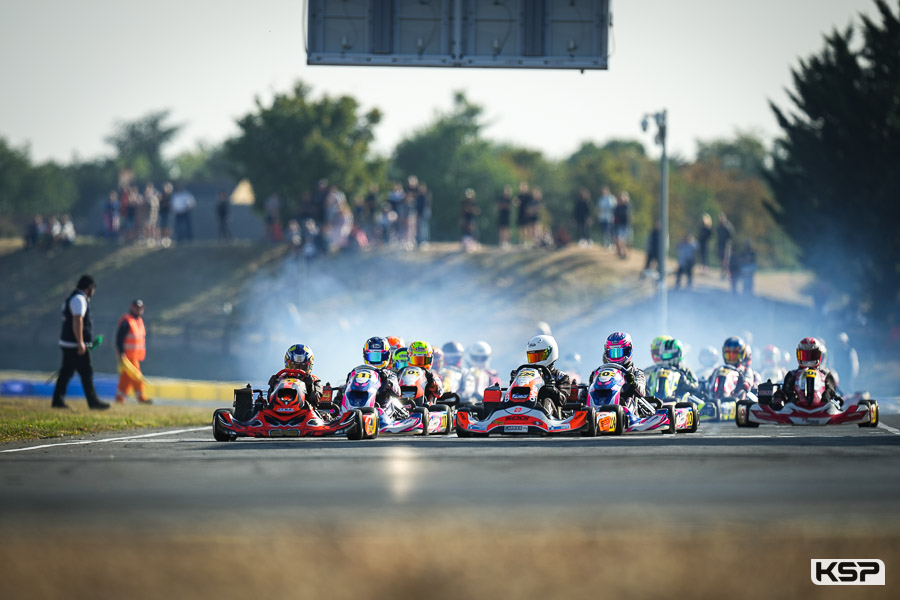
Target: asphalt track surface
[[811, 475]]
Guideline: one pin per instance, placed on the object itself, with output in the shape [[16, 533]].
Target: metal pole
[[664, 221]]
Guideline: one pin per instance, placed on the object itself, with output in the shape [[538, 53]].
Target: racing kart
[[284, 413], [719, 397], [520, 409], [615, 415], [808, 408], [408, 414]]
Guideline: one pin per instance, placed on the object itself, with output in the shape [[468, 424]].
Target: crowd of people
[[52, 232], [153, 216]]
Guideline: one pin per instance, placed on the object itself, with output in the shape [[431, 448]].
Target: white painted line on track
[[893, 430], [119, 439]]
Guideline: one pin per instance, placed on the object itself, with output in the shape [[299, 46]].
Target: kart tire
[[590, 428], [695, 414], [873, 406], [743, 422], [620, 417], [370, 410], [220, 434], [358, 430], [450, 416], [670, 409], [717, 407], [421, 410]]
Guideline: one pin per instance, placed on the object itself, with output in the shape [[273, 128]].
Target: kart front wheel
[[619, 413], [423, 413], [670, 411], [450, 416], [873, 412], [220, 434]]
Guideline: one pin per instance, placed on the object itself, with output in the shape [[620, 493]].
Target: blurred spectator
[[319, 201], [703, 237], [734, 270], [111, 216], [312, 243], [748, 267], [165, 208], [272, 210], [151, 200], [606, 204], [845, 363], [622, 224], [223, 207], [652, 263], [561, 238], [724, 241], [533, 219], [582, 216], [31, 231], [67, 231], [183, 204], [370, 214], [687, 256], [468, 219], [504, 207], [395, 200], [386, 223], [524, 200], [294, 237], [54, 228], [423, 215]]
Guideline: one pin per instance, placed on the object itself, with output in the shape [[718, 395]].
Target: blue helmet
[[377, 352], [299, 356]]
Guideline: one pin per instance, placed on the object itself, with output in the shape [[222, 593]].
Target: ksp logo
[[847, 571]]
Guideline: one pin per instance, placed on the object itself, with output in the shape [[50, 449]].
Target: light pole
[[663, 249]]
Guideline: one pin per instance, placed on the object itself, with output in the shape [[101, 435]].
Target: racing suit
[[435, 387], [313, 388], [747, 380], [688, 383], [557, 384], [789, 394]]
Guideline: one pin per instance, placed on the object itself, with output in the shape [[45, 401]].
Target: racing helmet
[[748, 356], [480, 354], [377, 352], [542, 350], [395, 341], [824, 352], [618, 348], [400, 359], [453, 354], [670, 352], [438, 361], [299, 356], [734, 351], [810, 353], [420, 354], [288, 396], [771, 356], [709, 357], [656, 344]]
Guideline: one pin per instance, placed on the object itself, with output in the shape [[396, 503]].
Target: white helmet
[[542, 350], [480, 354]]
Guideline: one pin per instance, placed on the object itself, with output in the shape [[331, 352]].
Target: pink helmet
[[618, 348]]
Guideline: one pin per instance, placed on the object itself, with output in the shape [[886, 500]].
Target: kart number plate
[[284, 433], [515, 429]]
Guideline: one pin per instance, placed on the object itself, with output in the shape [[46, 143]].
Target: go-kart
[[615, 415], [520, 409], [403, 415], [719, 396], [284, 413], [808, 407]]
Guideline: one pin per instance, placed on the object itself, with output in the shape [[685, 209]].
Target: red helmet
[[810, 352]]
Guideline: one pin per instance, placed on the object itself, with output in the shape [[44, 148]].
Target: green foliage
[[93, 181], [27, 189], [746, 153], [284, 148], [138, 145], [835, 175], [450, 156], [206, 163]]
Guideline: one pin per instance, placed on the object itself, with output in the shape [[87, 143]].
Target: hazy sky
[[71, 69]]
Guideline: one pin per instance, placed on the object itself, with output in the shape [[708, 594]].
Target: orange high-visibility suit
[[131, 343]]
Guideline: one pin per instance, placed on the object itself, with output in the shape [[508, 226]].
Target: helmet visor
[[375, 356], [731, 355], [809, 356], [419, 361], [615, 352], [535, 356]]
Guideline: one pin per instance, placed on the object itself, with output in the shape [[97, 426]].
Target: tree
[[284, 148], [834, 172], [139, 143], [449, 156], [27, 189]]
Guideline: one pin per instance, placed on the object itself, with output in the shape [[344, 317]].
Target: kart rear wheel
[[619, 412], [421, 410], [695, 416], [873, 409], [450, 416], [742, 414], [590, 429], [243, 403], [670, 410], [218, 433]]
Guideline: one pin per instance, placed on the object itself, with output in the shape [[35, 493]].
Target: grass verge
[[26, 419]]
